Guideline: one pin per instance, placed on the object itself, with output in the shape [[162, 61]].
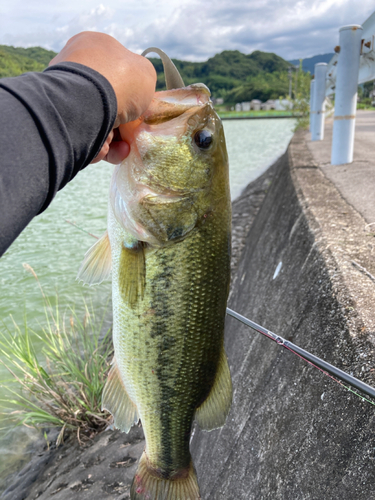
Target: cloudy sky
[[187, 29]]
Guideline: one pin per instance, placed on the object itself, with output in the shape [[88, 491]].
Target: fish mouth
[[170, 104], [165, 113]]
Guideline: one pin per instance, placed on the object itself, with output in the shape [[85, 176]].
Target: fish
[[168, 245]]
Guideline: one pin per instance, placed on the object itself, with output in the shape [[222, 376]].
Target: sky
[[191, 30]]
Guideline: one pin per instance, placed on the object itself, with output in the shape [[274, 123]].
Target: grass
[[362, 105], [64, 388], [255, 114]]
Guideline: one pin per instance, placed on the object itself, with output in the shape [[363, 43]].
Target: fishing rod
[[310, 358]]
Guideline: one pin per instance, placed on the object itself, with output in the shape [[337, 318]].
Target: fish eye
[[203, 139]]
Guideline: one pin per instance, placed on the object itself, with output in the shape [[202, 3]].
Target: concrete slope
[[292, 432]]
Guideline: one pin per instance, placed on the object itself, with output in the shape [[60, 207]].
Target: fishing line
[[326, 368], [83, 230]]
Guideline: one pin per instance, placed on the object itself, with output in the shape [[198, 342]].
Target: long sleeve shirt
[[52, 124]]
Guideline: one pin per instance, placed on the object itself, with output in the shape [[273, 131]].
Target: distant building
[[283, 105], [256, 104], [270, 104], [243, 106], [217, 101]]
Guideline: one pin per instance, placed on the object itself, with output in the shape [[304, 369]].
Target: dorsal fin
[[173, 78]]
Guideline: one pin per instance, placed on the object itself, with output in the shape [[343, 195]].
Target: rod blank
[[336, 372]]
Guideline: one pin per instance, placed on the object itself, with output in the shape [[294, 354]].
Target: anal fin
[[132, 276], [213, 412], [96, 265], [116, 400]]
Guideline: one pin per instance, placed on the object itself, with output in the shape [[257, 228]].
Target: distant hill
[[235, 76], [309, 63], [16, 60], [232, 75]]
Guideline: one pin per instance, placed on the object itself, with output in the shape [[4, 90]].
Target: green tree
[[301, 100], [16, 60]]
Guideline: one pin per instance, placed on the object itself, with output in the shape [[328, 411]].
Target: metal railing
[[352, 64]]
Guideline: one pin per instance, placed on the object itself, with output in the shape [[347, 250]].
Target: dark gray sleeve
[[52, 124]]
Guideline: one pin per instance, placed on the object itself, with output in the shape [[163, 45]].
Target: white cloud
[[193, 30], [54, 31]]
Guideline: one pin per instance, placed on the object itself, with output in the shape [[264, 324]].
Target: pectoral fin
[[214, 410], [96, 265], [116, 400], [132, 277]]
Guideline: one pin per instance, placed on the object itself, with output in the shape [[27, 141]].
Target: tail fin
[[147, 484]]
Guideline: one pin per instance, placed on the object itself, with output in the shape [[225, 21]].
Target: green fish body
[[168, 244]]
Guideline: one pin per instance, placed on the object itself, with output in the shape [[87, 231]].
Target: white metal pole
[[317, 133], [312, 84], [346, 94]]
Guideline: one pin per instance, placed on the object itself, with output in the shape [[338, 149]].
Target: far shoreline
[[256, 117]]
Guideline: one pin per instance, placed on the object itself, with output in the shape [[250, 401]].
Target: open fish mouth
[[166, 167], [170, 104]]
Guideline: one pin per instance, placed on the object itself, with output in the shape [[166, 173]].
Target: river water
[[54, 248]]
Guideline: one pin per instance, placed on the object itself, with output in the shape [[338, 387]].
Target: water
[[253, 146], [54, 248]]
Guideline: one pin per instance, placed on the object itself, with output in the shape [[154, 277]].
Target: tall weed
[[61, 388]]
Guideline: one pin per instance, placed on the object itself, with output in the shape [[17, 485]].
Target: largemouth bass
[[168, 243]]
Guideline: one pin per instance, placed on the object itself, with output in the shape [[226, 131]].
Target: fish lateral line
[[327, 368]]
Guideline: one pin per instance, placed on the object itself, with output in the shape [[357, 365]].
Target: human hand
[[132, 77]]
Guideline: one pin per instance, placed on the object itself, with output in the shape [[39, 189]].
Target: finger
[[102, 153], [118, 151], [105, 148]]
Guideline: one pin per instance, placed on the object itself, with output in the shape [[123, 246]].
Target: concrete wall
[[292, 432]]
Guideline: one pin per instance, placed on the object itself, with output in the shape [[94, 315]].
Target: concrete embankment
[[292, 432]]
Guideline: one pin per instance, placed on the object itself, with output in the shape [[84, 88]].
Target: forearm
[[52, 125]]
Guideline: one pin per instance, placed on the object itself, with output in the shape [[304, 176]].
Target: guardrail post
[[346, 94], [317, 132], [312, 84]]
